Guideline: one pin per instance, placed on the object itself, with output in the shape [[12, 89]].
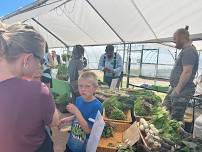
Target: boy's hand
[[72, 109]]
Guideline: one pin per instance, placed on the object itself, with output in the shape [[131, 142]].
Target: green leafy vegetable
[[117, 114], [62, 99], [168, 128], [145, 103], [125, 148], [108, 131]]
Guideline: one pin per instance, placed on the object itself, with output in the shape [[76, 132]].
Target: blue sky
[[8, 6]]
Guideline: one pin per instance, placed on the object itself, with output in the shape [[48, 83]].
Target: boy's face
[[86, 88]]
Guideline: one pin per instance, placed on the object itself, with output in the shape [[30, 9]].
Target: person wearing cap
[[111, 64], [182, 76]]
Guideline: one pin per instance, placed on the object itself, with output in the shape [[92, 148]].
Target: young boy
[[84, 112]]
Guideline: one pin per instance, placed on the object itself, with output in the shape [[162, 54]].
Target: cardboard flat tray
[[114, 141], [130, 136]]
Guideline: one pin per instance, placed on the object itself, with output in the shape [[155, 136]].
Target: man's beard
[[178, 46]]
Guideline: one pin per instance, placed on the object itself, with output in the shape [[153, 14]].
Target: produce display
[[159, 132], [108, 131]]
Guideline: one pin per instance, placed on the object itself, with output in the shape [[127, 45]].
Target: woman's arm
[[55, 119], [65, 121]]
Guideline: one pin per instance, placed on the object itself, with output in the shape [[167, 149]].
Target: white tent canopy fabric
[[94, 22]]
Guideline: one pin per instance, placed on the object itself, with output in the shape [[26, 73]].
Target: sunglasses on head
[[38, 57]]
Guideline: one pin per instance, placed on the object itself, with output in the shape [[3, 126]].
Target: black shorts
[[47, 145], [67, 149], [47, 81]]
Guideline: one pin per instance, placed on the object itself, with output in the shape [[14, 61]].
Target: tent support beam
[[55, 36], [129, 64], [98, 13], [124, 53]]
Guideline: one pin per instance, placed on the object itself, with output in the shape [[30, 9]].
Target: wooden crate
[[119, 126]]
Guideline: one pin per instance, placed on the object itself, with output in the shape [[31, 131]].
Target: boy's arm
[[84, 124], [55, 119]]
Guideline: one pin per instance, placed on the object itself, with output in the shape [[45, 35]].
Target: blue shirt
[[78, 138], [109, 63]]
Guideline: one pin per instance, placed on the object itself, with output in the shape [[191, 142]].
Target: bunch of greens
[[62, 99], [125, 148], [109, 105], [126, 103], [145, 104], [117, 114], [116, 107], [169, 129], [108, 131]]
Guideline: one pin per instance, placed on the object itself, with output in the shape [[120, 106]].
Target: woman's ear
[[26, 60]]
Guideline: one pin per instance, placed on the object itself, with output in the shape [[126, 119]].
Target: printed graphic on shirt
[[77, 132]]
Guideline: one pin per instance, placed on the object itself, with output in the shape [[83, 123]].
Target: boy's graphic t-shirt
[[78, 138]]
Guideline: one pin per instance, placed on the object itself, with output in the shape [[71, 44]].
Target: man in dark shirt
[[182, 76]]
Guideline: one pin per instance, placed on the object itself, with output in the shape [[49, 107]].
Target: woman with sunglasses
[[26, 107]]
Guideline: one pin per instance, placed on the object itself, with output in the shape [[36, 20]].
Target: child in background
[[84, 113]]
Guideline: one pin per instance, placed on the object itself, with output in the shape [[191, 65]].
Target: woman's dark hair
[[78, 52]]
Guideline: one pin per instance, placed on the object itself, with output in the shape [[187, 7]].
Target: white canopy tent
[[95, 22]]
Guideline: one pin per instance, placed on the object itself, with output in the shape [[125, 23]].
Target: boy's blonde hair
[[89, 75]]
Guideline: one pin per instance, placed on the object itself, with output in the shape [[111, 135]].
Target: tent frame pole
[[124, 53], [141, 60], [98, 13], [46, 29], [129, 63]]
